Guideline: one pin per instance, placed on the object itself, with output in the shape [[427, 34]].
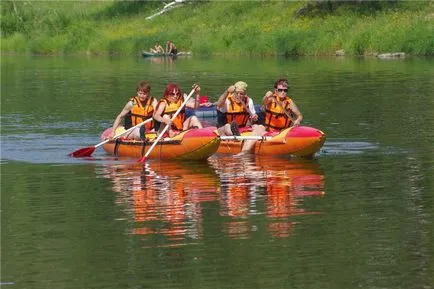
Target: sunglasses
[[174, 94], [282, 90]]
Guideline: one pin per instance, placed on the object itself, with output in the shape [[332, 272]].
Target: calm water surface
[[359, 215]]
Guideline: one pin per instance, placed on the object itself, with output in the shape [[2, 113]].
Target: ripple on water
[[344, 147]]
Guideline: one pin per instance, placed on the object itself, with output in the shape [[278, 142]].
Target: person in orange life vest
[[137, 109], [279, 108], [169, 104], [240, 112]]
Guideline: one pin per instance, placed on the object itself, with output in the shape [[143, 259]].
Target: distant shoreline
[[269, 28]]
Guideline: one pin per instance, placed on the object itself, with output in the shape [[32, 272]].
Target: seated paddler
[[280, 110], [238, 111], [170, 103], [157, 48], [138, 109]]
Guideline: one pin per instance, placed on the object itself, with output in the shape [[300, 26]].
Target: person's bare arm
[[158, 114], [222, 99], [252, 110], [194, 103], [296, 111], [154, 104], [127, 108], [267, 98]]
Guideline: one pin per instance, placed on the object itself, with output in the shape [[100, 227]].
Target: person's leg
[[160, 127], [134, 134], [234, 129], [257, 130], [225, 130], [190, 122]]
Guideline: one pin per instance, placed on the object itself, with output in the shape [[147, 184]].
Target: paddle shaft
[[276, 139], [124, 132], [246, 137], [284, 110], [167, 126], [244, 105]]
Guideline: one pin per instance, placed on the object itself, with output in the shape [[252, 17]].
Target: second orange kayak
[[301, 141]]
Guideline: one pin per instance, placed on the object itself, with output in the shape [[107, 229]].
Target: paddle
[[87, 151], [276, 139], [244, 137], [244, 104], [284, 110], [143, 159]]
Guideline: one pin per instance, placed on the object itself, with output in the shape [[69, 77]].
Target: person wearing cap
[[279, 108], [238, 110], [204, 101]]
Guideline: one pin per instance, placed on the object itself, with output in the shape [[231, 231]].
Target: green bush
[[18, 42], [79, 36], [294, 42], [48, 45]]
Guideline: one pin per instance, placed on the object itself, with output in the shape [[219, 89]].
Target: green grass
[[218, 27]]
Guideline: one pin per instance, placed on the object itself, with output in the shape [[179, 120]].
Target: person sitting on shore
[[280, 108], [171, 48], [239, 111], [169, 104], [157, 48], [138, 109]]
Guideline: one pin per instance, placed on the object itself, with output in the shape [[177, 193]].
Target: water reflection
[[166, 61], [167, 198], [272, 187], [164, 198]]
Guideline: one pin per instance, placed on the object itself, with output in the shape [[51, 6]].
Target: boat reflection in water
[[166, 198], [273, 187]]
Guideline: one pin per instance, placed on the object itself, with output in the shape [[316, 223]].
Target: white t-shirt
[[250, 105]]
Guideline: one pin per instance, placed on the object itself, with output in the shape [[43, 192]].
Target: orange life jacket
[[139, 113], [171, 108], [236, 111], [275, 117]]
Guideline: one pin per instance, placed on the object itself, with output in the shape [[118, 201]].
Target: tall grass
[[214, 27]]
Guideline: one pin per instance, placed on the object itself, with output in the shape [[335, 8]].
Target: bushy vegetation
[[219, 27]]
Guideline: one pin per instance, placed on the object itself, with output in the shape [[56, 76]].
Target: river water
[[359, 215]]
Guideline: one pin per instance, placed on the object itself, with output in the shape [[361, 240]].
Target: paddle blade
[[141, 160], [84, 152]]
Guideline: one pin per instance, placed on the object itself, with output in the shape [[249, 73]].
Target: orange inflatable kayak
[[194, 144], [301, 141]]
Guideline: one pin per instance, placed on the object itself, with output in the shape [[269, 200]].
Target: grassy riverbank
[[217, 27]]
